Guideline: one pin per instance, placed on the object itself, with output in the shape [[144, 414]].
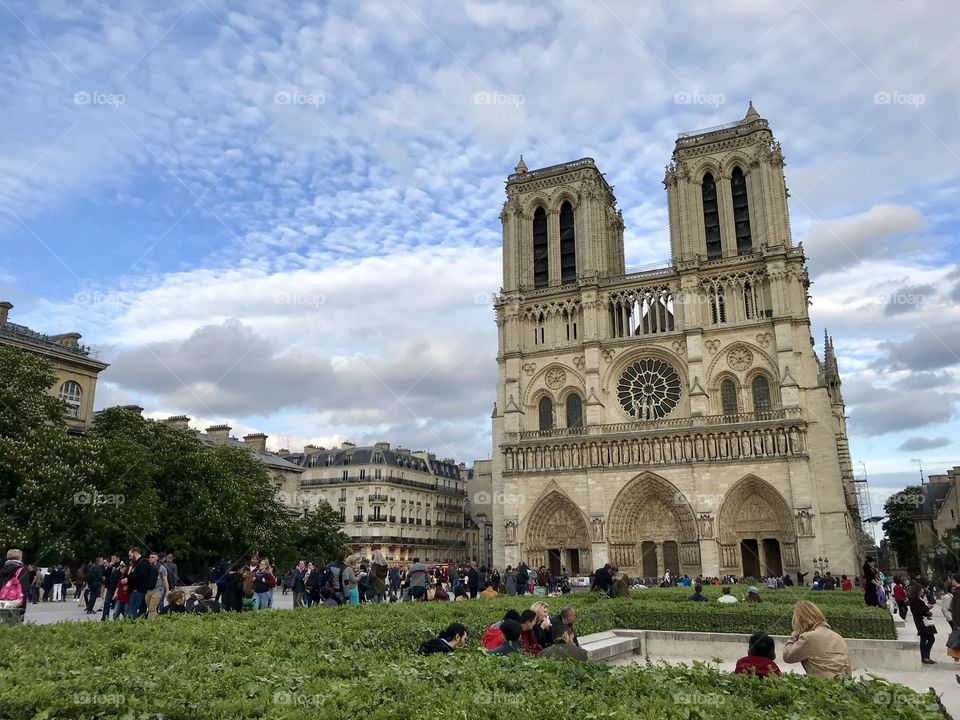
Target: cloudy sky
[[285, 216]]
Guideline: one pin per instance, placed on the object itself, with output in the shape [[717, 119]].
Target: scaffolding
[[865, 507]]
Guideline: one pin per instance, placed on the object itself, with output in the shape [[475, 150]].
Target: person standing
[[351, 581], [417, 577], [58, 576], [173, 572], [263, 585], [14, 581], [923, 619], [473, 581], [157, 586], [111, 579], [900, 597], [232, 597], [870, 583], [297, 584], [138, 583], [121, 598], [377, 578], [509, 581], [94, 580]]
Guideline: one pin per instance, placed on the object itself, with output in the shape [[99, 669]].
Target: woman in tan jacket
[[821, 651]]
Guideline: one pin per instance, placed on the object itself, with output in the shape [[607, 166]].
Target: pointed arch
[[711, 216], [555, 529], [651, 523], [756, 530], [741, 211], [568, 243], [541, 251]]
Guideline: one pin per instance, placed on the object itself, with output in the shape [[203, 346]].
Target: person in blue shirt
[[511, 638]]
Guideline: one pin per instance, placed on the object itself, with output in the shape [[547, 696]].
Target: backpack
[[12, 589], [326, 579]]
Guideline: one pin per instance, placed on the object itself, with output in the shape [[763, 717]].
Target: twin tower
[[675, 418]]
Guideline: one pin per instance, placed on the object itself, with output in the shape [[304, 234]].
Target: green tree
[[899, 528], [318, 535]]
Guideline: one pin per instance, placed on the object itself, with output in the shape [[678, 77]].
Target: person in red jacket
[[845, 583], [759, 660], [900, 597], [493, 635], [528, 638]]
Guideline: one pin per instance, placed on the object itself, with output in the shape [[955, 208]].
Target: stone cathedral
[[671, 419]]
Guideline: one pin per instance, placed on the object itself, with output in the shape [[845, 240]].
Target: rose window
[[649, 389]]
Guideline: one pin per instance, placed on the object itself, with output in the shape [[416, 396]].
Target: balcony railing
[[356, 480], [688, 423], [377, 498]]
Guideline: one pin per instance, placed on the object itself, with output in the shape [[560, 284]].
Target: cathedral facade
[[671, 419]]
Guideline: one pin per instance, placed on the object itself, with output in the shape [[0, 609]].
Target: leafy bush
[[362, 662]]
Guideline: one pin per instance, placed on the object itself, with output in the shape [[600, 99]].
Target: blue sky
[[286, 217]]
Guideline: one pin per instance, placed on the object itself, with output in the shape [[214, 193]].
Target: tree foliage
[[133, 481], [899, 528]]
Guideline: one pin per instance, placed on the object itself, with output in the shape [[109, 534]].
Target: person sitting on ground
[[603, 579], [176, 603], [455, 636], [845, 584], [759, 660], [328, 597], [541, 626], [567, 616], [564, 645], [493, 635], [440, 594], [829, 582], [621, 585], [511, 630], [752, 596], [460, 593], [202, 601], [698, 595], [528, 636], [726, 598], [488, 592], [821, 651]]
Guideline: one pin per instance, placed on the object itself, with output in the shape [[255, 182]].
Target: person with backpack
[[263, 585], [12, 578], [333, 575]]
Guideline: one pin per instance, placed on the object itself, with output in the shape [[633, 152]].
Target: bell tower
[[560, 224], [726, 192]]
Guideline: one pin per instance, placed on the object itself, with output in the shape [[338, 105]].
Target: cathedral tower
[[675, 418]]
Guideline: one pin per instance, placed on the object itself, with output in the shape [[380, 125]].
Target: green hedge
[[362, 662]]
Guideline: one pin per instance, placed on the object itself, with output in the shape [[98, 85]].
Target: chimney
[[307, 449], [178, 421], [382, 446], [283, 451], [219, 434], [256, 441], [5, 308], [345, 445], [132, 408]]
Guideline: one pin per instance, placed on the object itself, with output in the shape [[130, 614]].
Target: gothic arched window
[[541, 268], [761, 394], [711, 217], [568, 245], [546, 413], [71, 394], [574, 411], [741, 213], [728, 398]]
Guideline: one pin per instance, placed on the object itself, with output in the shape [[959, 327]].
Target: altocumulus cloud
[[922, 443]]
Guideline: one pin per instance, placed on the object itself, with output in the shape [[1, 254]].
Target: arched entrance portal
[[556, 536], [756, 532], [652, 528]]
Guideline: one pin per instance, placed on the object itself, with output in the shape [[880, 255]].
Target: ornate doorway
[[652, 528], [556, 535], [757, 535]]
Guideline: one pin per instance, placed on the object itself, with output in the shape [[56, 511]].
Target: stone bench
[[868, 655]]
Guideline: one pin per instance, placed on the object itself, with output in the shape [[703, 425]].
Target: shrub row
[[348, 663]]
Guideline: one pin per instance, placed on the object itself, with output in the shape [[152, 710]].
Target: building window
[[728, 397], [574, 411], [70, 393], [358, 517], [761, 394], [538, 329], [345, 475], [711, 217], [343, 514], [546, 413], [376, 474], [741, 213], [541, 270], [343, 494], [568, 245], [718, 305], [363, 474]]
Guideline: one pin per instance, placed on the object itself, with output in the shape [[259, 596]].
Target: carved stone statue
[[511, 529], [597, 529], [705, 522]]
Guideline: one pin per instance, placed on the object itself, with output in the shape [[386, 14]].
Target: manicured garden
[[362, 662]]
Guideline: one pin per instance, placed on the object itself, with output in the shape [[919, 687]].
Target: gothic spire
[[752, 114], [521, 166]]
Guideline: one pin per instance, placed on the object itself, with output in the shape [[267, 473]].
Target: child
[[760, 657]]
